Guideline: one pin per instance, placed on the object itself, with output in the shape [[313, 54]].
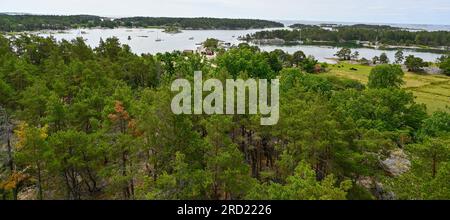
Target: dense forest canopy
[[95, 123], [17, 23], [200, 23], [372, 33]]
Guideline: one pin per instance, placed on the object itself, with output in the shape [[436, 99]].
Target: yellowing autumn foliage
[[21, 135], [24, 130], [14, 180], [44, 132]]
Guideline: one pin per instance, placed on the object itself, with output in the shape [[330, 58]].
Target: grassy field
[[432, 90]]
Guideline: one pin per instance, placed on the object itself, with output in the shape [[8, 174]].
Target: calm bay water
[[144, 41], [426, 27]]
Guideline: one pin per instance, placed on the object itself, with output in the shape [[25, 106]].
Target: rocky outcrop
[[29, 193], [432, 70], [397, 163], [375, 187], [381, 193]]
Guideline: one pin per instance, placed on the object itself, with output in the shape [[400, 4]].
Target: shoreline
[[415, 48]]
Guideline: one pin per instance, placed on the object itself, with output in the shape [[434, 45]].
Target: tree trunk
[[10, 156], [126, 193], [434, 167], [39, 184]]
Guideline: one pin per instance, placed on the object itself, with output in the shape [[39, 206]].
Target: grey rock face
[[397, 163]]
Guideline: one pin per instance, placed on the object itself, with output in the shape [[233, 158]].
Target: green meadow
[[432, 90]]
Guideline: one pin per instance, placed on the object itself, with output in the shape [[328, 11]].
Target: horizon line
[[12, 13]]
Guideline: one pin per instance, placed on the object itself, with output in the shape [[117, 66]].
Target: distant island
[[362, 26], [18, 23], [359, 35], [172, 29]]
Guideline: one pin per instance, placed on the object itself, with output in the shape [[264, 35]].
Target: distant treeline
[[16, 23], [200, 23], [372, 33]]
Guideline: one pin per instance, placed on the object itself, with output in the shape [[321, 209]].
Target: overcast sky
[[373, 11]]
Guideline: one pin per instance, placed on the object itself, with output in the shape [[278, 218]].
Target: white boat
[[157, 38]]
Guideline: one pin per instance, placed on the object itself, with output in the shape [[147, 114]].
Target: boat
[[191, 38], [157, 38], [80, 33], [129, 37]]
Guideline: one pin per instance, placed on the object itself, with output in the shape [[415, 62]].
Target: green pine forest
[[82, 123]]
